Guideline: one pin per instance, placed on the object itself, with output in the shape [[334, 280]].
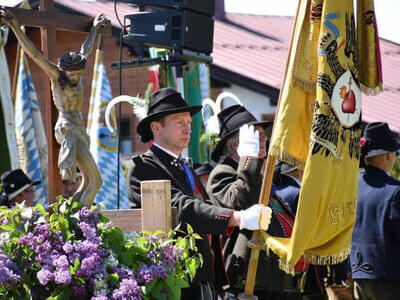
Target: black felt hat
[[230, 120], [15, 182], [163, 102], [378, 139]]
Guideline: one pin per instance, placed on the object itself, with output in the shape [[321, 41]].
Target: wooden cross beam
[[49, 21]]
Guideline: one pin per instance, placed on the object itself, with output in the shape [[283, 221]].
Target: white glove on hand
[[255, 218], [249, 143]]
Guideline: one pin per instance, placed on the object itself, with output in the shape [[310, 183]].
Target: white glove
[[249, 142], [255, 217]]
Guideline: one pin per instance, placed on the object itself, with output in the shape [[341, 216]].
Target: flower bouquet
[[76, 253]]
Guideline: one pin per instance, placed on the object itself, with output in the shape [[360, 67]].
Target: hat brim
[[375, 152], [217, 151], [143, 128], [36, 182]]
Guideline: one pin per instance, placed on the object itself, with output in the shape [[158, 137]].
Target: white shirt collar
[[167, 151]]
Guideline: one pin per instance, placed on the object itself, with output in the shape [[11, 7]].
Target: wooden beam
[[48, 42], [60, 21], [130, 220]]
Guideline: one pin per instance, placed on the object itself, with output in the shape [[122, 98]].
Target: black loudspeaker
[[172, 29], [206, 7]]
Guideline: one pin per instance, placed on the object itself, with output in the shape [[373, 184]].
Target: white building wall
[[256, 103]]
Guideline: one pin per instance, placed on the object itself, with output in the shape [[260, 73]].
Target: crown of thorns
[[72, 61]]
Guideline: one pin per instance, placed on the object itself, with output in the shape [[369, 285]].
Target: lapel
[[174, 173]]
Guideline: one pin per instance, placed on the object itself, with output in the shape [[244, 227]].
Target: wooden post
[[48, 40], [156, 205], [156, 213]]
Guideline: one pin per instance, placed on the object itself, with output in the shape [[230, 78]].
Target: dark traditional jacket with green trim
[[237, 186], [205, 219]]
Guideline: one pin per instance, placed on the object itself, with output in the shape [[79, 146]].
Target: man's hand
[[257, 217], [6, 16], [249, 142], [100, 20]]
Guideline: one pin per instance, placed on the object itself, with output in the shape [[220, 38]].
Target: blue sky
[[387, 12]]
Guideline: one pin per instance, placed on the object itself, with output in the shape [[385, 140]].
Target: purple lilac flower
[[123, 273], [89, 266], [89, 232], [45, 275], [8, 271], [62, 277], [159, 271], [168, 256], [88, 216], [145, 274], [68, 248], [61, 262], [128, 289], [101, 297]]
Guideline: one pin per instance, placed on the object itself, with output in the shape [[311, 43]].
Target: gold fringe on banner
[[329, 259], [371, 91], [286, 157]]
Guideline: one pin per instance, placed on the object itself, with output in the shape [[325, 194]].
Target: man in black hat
[[375, 259], [235, 182], [168, 124], [16, 188]]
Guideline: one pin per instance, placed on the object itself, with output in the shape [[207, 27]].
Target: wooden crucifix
[[49, 21]]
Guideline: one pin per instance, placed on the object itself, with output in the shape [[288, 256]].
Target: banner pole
[[256, 243]]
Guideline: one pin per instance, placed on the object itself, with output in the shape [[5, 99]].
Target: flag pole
[[256, 243]]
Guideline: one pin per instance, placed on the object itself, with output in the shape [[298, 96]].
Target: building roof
[[255, 48]]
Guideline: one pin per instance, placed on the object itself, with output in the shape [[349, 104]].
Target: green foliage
[[395, 172]]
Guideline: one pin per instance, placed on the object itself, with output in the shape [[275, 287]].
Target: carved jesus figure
[[67, 90]]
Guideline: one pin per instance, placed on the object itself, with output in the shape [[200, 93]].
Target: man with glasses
[[16, 188]]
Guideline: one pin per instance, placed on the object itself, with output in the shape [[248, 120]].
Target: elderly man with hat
[[16, 188], [375, 259], [168, 124], [235, 183]]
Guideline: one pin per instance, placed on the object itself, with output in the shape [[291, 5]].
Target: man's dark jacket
[[237, 186], [156, 164], [376, 235]]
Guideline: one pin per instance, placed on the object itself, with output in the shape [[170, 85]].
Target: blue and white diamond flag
[[103, 142], [29, 130]]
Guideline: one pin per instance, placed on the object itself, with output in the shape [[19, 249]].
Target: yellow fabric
[[368, 48], [290, 142], [319, 129]]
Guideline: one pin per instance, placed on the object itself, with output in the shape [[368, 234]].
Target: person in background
[[235, 182], [374, 258], [168, 124], [16, 188], [69, 187], [287, 180]]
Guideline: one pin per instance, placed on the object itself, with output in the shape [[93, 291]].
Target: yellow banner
[[318, 128]]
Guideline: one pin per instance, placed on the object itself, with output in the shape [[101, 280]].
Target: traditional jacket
[[288, 190], [156, 164], [376, 234], [237, 185]]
